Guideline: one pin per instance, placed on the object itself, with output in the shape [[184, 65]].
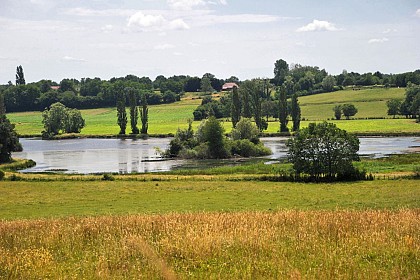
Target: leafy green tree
[[144, 115], [256, 100], [213, 135], [323, 150], [328, 83], [281, 70], [236, 107], [393, 107], [74, 121], [349, 110], [54, 119], [58, 118], [295, 112], [245, 93], [206, 85], [20, 77], [283, 110], [118, 88], [245, 129], [134, 113], [337, 112], [9, 140]]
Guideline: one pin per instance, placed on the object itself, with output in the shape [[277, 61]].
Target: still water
[[137, 156]]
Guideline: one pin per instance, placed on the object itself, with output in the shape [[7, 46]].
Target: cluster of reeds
[[249, 245]]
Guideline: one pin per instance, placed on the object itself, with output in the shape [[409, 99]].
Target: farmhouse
[[229, 86]]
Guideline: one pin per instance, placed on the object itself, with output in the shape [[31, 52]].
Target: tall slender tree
[[134, 112], [236, 107], [121, 112], [283, 109], [245, 92], [295, 112], [144, 115], [20, 77]]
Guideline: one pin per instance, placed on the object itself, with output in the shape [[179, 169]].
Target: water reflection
[[138, 156]]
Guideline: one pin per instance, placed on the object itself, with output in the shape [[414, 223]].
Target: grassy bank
[[248, 245]]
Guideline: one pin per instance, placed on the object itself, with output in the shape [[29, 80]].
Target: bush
[[246, 148], [108, 177], [1, 175]]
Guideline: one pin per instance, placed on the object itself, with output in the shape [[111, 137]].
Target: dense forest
[[95, 93]]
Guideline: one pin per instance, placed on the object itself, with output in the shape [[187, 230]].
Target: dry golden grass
[[250, 245]]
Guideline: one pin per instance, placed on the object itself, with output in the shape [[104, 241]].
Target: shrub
[[246, 148], [1, 175], [108, 177]]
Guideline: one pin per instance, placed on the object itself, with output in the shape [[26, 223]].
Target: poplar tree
[[295, 112], [283, 110], [134, 113], [236, 107], [20, 77], [144, 115], [121, 113]]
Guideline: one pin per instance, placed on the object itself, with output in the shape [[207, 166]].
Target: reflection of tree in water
[[122, 161], [135, 161]]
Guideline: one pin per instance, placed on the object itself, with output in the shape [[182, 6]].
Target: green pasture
[[167, 118], [29, 200]]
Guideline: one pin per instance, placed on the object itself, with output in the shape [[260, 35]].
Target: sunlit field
[[287, 244], [167, 118]]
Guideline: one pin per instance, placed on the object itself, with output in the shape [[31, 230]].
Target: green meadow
[[167, 118]]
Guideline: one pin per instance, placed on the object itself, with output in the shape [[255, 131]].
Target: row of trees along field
[[96, 93]]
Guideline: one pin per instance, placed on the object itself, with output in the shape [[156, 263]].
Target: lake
[[86, 156]]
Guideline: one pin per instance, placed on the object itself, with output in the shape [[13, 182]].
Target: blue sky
[[56, 39]]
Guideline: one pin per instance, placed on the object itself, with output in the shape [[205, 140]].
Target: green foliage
[[236, 107], [328, 83], [393, 107], [245, 129], [108, 177], [281, 69], [213, 135], [58, 118], [134, 113], [323, 151], [295, 112], [246, 148], [337, 112], [206, 85], [20, 77], [283, 113], [1, 175], [118, 88], [348, 110], [144, 115], [74, 121], [9, 140]]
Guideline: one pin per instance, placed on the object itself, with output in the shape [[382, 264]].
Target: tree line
[[95, 93]]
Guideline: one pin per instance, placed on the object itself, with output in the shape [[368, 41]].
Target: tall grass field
[[288, 244]]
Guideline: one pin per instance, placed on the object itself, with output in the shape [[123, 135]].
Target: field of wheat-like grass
[[286, 244]]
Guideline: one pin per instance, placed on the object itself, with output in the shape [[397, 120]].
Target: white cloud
[[85, 12], [107, 28], [73, 59], [185, 4], [142, 22], [375, 40], [178, 24], [418, 13], [164, 47], [318, 25], [389, 30]]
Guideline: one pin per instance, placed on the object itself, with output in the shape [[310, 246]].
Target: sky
[[57, 39]]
